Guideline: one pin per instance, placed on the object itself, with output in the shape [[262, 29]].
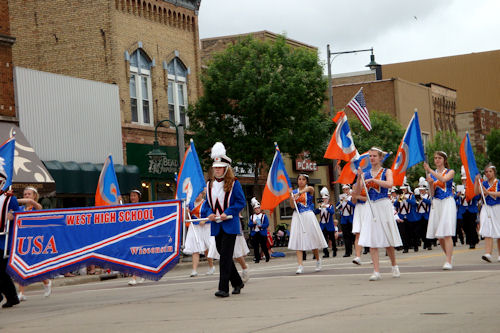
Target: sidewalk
[[185, 261]]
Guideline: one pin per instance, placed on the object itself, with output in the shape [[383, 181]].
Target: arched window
[[141, 99], [177, 91]]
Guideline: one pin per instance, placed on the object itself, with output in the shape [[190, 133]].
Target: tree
[[258, 92], [386, 134], [493, 147]]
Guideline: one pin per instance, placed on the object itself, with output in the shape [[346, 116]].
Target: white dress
[[361, 213], [490, 214], [198, 239], [240, 248], [443, 214], [382, 230], [305, 233]]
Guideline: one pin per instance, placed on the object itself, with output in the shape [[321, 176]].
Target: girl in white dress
[[490, 213], [198, 239], [380, 230], [305, 233], [443, 215]]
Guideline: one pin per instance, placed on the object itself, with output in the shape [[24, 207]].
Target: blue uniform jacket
[[471, 207], [13, 206], [413, 216], [236, 204], [348, 218], [329, 226], [426, 214], [263, 226]]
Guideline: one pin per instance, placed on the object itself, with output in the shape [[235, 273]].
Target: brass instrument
[[401, 198]]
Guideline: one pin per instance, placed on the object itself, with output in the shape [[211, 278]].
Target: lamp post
[[156, 154], [372, 65]]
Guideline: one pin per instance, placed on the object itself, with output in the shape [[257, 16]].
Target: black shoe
[[237, 289], [326, 256], [346, 255], [10, 304], [220, 293], [267, 259], [429, 248], [472, 246], [405, 251], [334, 254], [415, 249], [255, 260]]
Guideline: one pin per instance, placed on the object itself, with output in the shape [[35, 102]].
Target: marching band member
[[326, 213], [225, 197], [490, 213], [443, 214], [7, 287], [380, 230], [30, 202], [403, 208], [423, 207], [467, 214], [135, 197], [305, 233], [258, 223], [199, 240], [413, 222], [346, 208]]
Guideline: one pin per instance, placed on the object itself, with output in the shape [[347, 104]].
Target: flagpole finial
[[14, 133], [415, 109], [191, 140]]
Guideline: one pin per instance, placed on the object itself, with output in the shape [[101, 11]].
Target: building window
[[425, 140], [286, 211], [177, 92], [141, 104]]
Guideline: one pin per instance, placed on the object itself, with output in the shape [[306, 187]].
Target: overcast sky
[[398, 30]]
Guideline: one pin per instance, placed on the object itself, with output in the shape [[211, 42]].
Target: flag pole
[[484, 200], [298, 213], [183, 224]]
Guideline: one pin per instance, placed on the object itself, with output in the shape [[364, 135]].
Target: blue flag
[[108, 192], [410, 151], [277, 185], [7, 162], [190, 182]]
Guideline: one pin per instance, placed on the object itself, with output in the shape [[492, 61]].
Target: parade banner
[[141, 239]]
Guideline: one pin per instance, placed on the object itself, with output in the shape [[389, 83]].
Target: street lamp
[[157, 154], [372, 65]]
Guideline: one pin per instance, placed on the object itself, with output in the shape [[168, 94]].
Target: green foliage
[[386, 134], [258, 92], [493, 147]]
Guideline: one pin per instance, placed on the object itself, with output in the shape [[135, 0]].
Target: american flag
[[358, 106]]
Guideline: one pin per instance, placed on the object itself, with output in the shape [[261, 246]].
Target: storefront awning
[[82, 178], [28, 169]]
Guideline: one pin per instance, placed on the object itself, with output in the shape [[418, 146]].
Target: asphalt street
[[339, 298]]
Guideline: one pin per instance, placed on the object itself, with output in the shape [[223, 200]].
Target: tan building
[[474, 76], [149, 48], [479, 124], [398, 98]]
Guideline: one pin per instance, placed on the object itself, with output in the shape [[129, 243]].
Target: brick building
[[479, 123], [149, 48], [397, 97], [7, 101]]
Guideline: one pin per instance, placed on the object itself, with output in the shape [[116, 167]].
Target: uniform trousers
[[330, 235], [423, 232], [258, 239], [7, 287], [348, 237], [412, 234], [470, 228], [228, 272]]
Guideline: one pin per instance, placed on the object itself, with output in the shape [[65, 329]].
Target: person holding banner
[[443, 215], [30, 202], [225, 200], [135, 197], [361, 213], [490, 213], [305, 233], [7, 287], [198, 239], [380, 230]]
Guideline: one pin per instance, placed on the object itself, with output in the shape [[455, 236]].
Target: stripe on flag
[[358, 106]]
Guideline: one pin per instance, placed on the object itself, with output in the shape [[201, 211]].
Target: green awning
[[82, 178]]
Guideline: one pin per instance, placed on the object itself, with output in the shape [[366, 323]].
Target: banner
[[141, 239]]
